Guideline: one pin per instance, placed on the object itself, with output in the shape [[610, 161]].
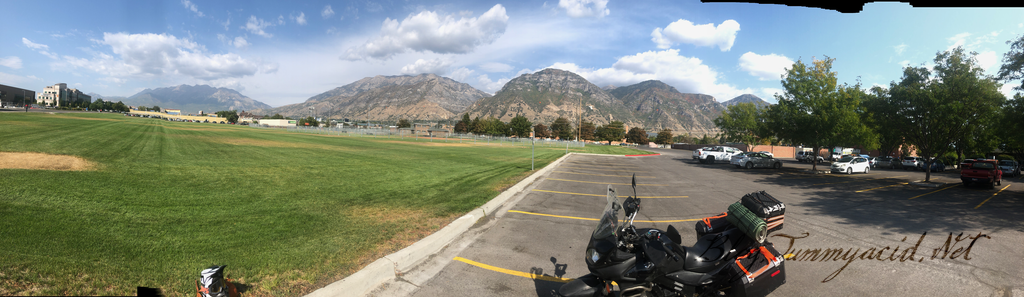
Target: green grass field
[[286, 212]]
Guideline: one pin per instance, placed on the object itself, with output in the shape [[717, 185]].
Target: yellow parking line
[[592, 219], [603, 174], [858, 179], [602, 169], [911, 198], [993, 195], [605, 195], [880, 187], [605, 183], [513, 272]]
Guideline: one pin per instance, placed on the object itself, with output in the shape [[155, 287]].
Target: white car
[[738, 159], [767, 153], [851, 164]]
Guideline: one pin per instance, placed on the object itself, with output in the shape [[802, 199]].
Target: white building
[[60, 95]]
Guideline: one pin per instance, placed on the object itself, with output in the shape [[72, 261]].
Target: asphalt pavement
[[874, 234]]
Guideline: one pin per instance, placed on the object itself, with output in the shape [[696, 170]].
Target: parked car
[[709, 156], [871, 160], [767, 153], [1009, 167], [805, 156], [937, 166], [758, 160], [850, 164], [886, 162], [696, 152], [736, 159], [982, 172], [911, 163]]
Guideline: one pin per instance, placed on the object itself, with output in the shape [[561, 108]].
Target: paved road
[[536, 244]]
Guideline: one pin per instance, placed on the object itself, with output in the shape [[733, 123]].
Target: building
[[59, 95], [12, 96], [278, 122]]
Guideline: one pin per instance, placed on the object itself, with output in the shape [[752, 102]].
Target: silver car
[[758, 160]]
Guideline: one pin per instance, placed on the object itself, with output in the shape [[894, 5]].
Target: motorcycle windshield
[[610, 219]]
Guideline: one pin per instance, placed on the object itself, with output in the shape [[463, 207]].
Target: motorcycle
[[652, 262]]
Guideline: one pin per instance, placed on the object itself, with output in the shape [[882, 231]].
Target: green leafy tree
[[817, 111], [587, 130], [743, 123], [403, 123], [461, 127], [96, 105], [939, 112], [664, 137], [1010, 124], [890, 137], [276, 116], [1013, 63], [520, 126], [119, 106], [541, 131], [230, 115], [308, 121], [496, 127], [155, 108], [613, 131], [637, 135], [561, 128]]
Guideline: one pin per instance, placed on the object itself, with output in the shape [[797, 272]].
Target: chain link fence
[[400, 134]]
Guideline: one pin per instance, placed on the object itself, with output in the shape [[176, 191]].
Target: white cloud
[[301, 19], [460, 74], [958, 40], [33, 45], [905, 63], [766, 67], [11, 62], [192, 7], [256, 26], [768, 94], [495, 67], [584, 8], [490, 86], [436, 66], [280, 20], [688, 75], [429, 32], [900, 48], [14, 80], [153, 55], [240, 42], [327, 12], [987, 59], [683, 31], [226, 24]]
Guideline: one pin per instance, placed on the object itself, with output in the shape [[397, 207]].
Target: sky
[[284, 52]]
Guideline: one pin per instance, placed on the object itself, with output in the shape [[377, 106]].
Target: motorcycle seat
[[707, 254]]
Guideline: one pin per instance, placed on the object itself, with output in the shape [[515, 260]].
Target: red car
[[982, 172]]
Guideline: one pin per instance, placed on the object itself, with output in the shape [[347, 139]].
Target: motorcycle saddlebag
[[765, 207], [759, 272], [713, 224]]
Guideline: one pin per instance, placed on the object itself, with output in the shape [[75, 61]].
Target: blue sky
[[283, 52]]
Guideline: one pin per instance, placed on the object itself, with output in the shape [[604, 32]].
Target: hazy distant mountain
[[388, 98], [549, 94], [747, 98], [192, 99]]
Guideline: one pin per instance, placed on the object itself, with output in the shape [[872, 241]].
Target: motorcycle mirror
[[634, 185]]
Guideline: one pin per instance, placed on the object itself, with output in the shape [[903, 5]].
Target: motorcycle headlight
[[593, 255]]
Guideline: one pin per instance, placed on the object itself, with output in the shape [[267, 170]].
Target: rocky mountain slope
[[192, 99], [388, 98], [660, 106]]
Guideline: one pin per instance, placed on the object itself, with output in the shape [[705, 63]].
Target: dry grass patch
[[41, 161]]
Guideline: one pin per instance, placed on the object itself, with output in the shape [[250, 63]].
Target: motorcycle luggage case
[[757, 273], [766, 207], [713, 224]]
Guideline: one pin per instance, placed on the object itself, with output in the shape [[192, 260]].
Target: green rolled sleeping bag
[[746, 221]]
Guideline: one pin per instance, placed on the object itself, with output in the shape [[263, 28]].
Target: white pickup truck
[[709, 156]]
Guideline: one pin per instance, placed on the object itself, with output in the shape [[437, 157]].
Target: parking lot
[[909, 240]]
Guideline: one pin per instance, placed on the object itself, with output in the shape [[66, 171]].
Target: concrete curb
[[928, 184], [395, 265]]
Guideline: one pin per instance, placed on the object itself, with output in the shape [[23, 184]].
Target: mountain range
[[541, 97]]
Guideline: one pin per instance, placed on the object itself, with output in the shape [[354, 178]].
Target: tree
[[664, 137], [541, 131], [742, 123], [478, 127], [637, 135], [308, 121], [816, 111], [1013, 63], [403, 123], [878, 117], [496, 127], [587, 130], [1010, 124], [461, 127], [613, 131], [561, 128], [96, 105], [119, 106], [276, 116], [230, 115], [155, 108], [520, 126]]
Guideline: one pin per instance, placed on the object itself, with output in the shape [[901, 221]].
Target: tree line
[[560, 128], [947, 112]]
